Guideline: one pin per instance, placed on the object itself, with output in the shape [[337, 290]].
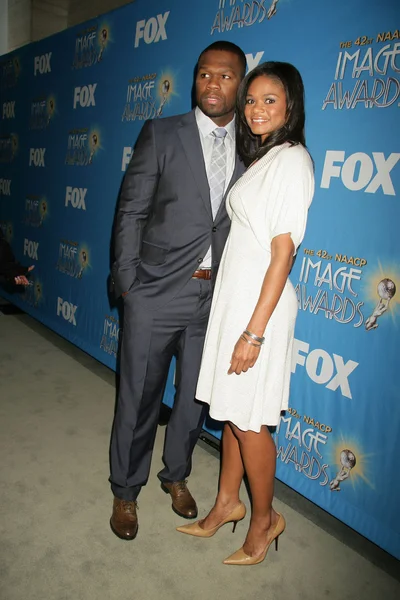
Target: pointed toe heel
[[241, 558], [195, 529]]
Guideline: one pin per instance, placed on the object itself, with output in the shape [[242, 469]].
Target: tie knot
[[220, 132]]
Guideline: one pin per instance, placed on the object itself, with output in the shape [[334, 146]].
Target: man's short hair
[[228, 47]]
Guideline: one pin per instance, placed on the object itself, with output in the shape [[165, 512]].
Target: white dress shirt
[[206, 126]]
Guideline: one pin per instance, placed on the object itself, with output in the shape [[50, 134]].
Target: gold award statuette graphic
[[83, 260], [33, 293], [103, 37], [43, 211], [94, 142], [348, 461], [51, 108], [386, 290], [164, 91], [37, 292]]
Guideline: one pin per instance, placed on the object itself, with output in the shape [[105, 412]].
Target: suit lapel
[[190, 138]]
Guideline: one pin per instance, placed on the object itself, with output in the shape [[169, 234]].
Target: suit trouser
[[150, 339]]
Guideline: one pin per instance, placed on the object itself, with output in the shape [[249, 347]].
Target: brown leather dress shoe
[[183, 502], [124, 521]]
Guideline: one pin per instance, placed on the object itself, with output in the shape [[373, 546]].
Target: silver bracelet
[[249, 342], [254, 337]]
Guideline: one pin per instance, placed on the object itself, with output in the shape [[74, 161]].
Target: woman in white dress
[[246, 363]]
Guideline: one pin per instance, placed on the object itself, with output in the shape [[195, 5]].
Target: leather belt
[[202, 274]]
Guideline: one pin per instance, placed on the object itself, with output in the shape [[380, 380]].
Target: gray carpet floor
[[56, 411]]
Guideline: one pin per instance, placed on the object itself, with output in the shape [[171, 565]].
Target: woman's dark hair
[[249, 146]]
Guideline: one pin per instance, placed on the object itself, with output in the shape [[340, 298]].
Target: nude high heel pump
[[241, 558], [237, 514]]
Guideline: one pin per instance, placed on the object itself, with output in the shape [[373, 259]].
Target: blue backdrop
[[72, 106]]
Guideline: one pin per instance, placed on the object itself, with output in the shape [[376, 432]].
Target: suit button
[[199, 260], [214, 229]]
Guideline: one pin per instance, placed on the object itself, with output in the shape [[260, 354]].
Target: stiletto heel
[[237, 514], [241, 558]]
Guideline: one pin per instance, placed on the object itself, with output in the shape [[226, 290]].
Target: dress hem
[[241, 427]]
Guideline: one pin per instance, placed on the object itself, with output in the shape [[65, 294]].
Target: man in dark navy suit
[[171, 228]]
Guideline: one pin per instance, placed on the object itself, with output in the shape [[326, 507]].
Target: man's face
[[219, 74]]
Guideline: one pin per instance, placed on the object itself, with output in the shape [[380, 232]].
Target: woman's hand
[[244, 357], [21, 279]]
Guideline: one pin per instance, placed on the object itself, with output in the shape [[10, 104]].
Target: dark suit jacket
[[164, 223], [9, 267]]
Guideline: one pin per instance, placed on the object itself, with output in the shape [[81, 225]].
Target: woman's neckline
[[270, 154]]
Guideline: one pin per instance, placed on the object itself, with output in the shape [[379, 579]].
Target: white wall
[[24, 21], [19, 23], [3, 26], [48, 17], [81, 10]]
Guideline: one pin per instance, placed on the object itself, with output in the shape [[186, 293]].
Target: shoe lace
[[181, 485], [129, 506]]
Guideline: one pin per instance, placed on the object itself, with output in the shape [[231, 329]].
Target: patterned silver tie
[[217, 171]]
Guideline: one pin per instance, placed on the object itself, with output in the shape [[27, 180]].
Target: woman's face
[[265, 108]]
